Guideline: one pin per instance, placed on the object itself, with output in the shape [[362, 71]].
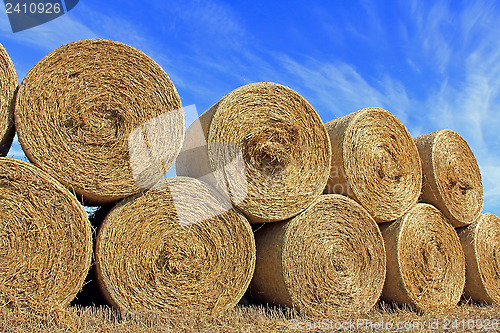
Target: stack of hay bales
[[335, 206], [107, 122], [266, 148]]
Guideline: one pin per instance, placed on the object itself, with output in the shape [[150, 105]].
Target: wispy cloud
[[50, 35], [337, 89]]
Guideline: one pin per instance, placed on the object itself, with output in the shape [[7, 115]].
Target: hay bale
[[481, 243], [180, 248], [451, 177], [375, 162], [425, 261], [8, 86], [97, 115], [330, 259], [46, 240], [265, 146]]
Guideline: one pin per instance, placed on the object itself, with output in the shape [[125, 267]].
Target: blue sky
[[434, 64]]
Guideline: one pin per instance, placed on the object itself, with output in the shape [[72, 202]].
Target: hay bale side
[[375, 162], [265, 146], [328, 260], [451, 177], [181, 248], [46, 240], [481, 244], [425, 261], [8, 86], [100, 116]]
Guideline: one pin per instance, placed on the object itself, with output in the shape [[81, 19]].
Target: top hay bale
[[374, 161], [452, 179], [265, 145], [8, 86], [99, 116]]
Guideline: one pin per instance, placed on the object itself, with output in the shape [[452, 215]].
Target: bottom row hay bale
[[481, 244], [425, 261], [45, 240], [179, 248], [329, 259]]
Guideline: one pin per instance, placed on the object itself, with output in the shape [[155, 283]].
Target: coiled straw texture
[[375, 162], [46, 240], [100, 116], [328, 260], [8, 86], [180, 248], [481, 244], [425, 261], [452, 180], [265, 146]]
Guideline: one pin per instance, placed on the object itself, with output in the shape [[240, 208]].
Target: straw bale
[[100, 116], [327, 260], [375, 162], [451, 177], [481, 244], [265, 146], [46, 240], [180, 248], [425, 261], [8, 88]]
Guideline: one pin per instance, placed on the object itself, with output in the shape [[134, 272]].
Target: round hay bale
[[425, 261], [46, 240], [181, 248], [8, 86], [451, 177], [329, 259], [481, 244], [100, 116], [375, 162], [265, 146]]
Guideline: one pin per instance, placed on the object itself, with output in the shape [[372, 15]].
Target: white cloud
[[338, 88]]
